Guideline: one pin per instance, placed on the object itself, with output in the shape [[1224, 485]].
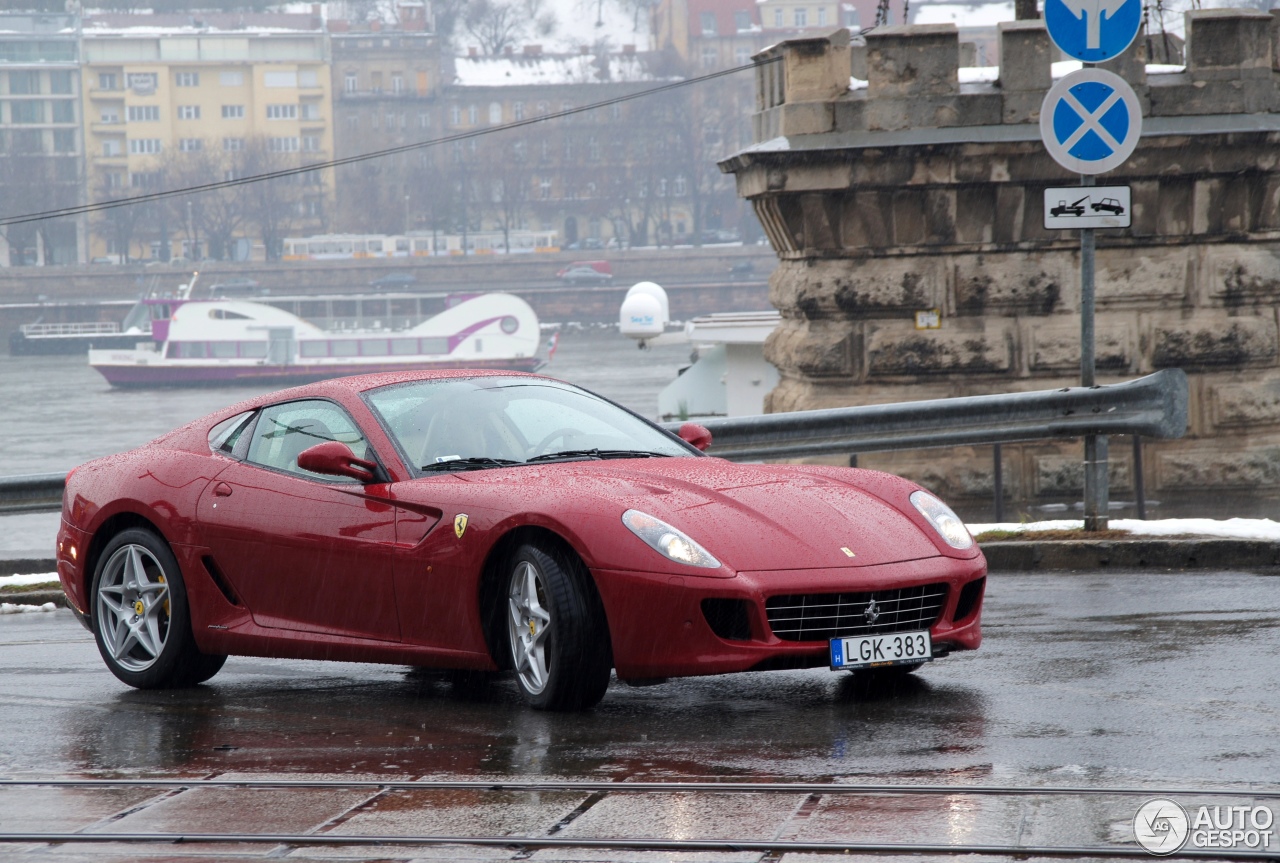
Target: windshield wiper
[[475, 463], [598, 453]]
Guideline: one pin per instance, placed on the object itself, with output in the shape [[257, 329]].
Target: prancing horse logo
[[460, 524], [872, 614]]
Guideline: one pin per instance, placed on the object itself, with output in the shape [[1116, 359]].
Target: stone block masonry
[[922, 187]]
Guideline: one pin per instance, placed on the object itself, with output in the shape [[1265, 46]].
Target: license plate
[[879, 651]]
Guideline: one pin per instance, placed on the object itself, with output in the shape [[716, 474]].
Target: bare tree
[[272, 206], [499, 24]]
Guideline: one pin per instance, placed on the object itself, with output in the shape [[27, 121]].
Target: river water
[[59, 413]]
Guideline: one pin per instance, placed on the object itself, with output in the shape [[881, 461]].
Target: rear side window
[[284, 431], [225, 435]]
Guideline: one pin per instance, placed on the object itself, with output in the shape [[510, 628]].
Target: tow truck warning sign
[[1075, 207]]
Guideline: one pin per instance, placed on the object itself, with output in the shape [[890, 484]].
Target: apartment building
[[41, 145], [175, 98]]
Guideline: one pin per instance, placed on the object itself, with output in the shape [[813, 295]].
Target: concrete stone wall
[[919, 191]]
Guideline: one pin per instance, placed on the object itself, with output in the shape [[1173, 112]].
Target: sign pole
[[1095, 446]]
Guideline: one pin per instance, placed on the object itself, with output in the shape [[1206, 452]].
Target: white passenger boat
[[201, 342]]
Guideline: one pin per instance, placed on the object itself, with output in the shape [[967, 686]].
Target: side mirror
[[334, 458], [697, 435]]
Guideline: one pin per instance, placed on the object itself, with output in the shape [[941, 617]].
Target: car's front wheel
[[556, 630], [141, 621]]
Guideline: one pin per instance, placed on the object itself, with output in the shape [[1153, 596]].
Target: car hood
[[751, 517]]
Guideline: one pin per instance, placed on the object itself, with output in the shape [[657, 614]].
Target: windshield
[[496, 421]]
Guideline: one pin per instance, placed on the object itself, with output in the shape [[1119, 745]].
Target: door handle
[[222, 490]]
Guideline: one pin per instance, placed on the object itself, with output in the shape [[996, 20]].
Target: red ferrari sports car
[[490, 521]]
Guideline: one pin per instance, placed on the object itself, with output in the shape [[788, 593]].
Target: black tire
[[140, 617], [564, 661]]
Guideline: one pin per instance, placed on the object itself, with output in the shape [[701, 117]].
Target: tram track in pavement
[[785, 839]]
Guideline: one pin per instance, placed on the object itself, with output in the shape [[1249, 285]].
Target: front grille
[[820, 616]]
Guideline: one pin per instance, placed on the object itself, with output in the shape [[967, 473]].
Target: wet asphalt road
[[1107, 680]]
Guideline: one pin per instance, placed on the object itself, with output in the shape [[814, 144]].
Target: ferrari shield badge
[[460, 524]]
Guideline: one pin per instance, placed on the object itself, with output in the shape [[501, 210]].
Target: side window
[[283, 431], [225, 435]]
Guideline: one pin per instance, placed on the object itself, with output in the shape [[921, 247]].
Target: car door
[[304, 551]]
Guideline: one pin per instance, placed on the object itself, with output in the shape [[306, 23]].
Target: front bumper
[[658, 627]]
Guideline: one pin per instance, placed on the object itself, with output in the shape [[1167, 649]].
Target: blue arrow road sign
[[1090, 121], [1092, 30]]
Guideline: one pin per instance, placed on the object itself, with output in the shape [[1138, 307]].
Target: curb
[[1137, 554], [35, 597], [23, 566]]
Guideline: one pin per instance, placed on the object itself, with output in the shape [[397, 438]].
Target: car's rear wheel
[[141, 620], [556, 630]]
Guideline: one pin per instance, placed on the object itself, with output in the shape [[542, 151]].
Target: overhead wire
[[99, 206]]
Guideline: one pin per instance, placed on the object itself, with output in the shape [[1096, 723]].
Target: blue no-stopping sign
[[1090, 121], [1092, 30]]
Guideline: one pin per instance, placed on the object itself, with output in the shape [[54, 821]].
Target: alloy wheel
[[133, 608], [529, 625]]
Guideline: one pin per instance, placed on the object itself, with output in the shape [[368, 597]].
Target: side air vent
[[224, 586], [728, 618], [970, 596]]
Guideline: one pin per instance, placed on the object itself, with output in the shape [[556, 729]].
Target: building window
[[546, 150], [520, 150], [777, 17], [708, 23], [404, 121], [351, 82], [457, 152], [801, 17], [822, 16], [593, 149], [662, 187], [681, 186], [233, 145], [517, 110], [283, 145], [742, 55], [308, 78], [110, 115], [64, 141], [473, 115], [543, 108], [615, 111], [311, 143], [187, 79], [143, 83], [455, 115], [111, 148], [190, 145], [144, 113], [64, 111], [710, 55], [231, 79], [309, 110], [424, 121], [145, 180], [397, 84], [113, 180], [144, 146], [233, 112], [851, 18], [544, 189], [108, 81], [282, 112], [188, 112], [495, 113], [60, 83], [741, 20], [280, 79], [391, 121]]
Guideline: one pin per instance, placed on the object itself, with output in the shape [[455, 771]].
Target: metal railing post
[[998, 479], [1139, 485]]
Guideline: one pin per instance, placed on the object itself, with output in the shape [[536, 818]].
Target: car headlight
[[944, 521], [670, 542]]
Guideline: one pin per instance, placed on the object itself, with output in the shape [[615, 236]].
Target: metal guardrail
[[1152, 406]]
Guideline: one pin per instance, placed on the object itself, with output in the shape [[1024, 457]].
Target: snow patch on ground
[[1231, 528], [23, 580], [10, 608]]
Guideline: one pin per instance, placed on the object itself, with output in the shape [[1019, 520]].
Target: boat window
[[253, 349], [285, 430], [404, 347], [344, 348], [373, 347], [313, 349], [186, 350], [435, 346], [227, 315], [222, 350], [224, 436]]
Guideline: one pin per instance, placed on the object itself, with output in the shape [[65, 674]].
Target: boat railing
[[82, 328]]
